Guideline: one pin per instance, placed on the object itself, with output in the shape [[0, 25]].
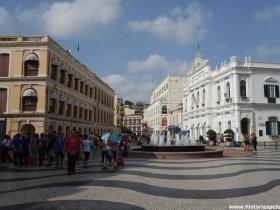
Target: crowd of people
[[56, 150], [249, 141]]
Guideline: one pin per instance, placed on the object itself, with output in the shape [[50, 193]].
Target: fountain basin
[[175, 152], [171, 148]]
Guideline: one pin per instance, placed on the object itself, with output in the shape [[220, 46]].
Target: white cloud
[[143, 76], [6, 21], [131, 87], [268, 49], [184, 27], [66, 19], [268, 13], [156, 62]]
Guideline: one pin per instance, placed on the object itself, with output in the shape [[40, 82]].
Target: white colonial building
[[165, 98], [240, 95]]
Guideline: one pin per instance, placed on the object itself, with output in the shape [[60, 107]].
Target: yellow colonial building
[[43, 88]]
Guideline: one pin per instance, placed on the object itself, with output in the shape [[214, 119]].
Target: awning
[[29, 92], [31, 57]]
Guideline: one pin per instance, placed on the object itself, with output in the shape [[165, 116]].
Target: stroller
[[108, 157], [120, 157]]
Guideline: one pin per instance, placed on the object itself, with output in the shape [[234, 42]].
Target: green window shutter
[[266, 91], [268, 128], [277, 91], [271, 100], [278, 127]]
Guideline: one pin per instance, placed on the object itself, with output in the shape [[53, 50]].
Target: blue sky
[[134, 44]]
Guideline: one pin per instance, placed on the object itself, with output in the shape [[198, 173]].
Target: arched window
[[53, 102], [229, 124], [203, 97], [227, 93], [29, 100], [61, 104], [197, 99], [220, 127], [242, 89], [193, 101], [31, 65], [218, 94], [164, 109]]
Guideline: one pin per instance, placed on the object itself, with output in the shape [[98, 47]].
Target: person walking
[[42, 147], [72, 146], [17, 146], [254, 141], [6, 145], [222, 141], [247, 143], [58, 149], [86, 146], [34, 148], [218, 138], [25, 149], [51, 140]]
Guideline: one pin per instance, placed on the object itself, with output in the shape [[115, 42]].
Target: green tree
[[229, 134], [212, 135]]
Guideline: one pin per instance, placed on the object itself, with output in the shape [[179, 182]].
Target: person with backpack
[[72, 147]]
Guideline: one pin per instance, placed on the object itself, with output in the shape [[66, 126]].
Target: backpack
[[41, 143], [110, 154]]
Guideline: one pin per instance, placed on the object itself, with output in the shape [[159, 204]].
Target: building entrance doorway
[[245, 126], [27, 128], [2, 128]]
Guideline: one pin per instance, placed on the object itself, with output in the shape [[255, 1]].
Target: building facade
[[166, 97], [43, 88], [240, 95], [176, 115], [134, 123], [118, 114]]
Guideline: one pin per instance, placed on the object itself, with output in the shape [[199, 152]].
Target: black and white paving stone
[[147, 184]]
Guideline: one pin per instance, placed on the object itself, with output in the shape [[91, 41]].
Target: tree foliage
[[228, 135], [211, 135]]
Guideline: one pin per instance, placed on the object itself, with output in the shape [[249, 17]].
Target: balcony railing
[[43, 38], [244, 99]]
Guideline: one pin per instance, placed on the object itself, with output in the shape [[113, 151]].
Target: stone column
[[237, 129]]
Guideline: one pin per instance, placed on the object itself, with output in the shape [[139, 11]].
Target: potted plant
[[228, 135], [212, 137]]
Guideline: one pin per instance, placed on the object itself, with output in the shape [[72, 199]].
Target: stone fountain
[[174, 147]]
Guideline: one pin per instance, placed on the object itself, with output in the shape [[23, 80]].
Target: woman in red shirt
[[72, 148]]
